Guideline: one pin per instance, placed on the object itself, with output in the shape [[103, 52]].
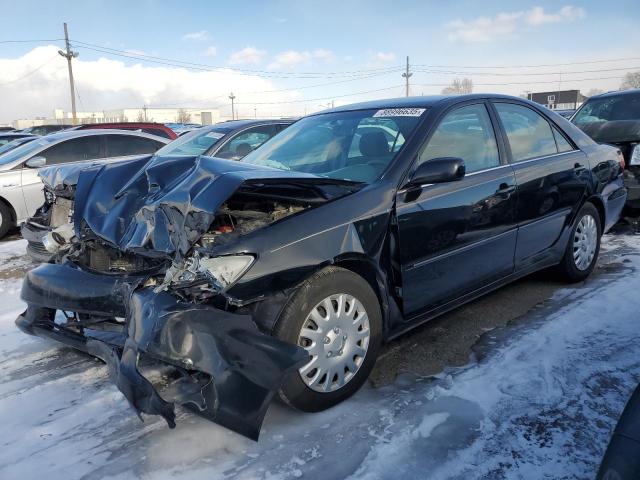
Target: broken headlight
[[228, 269], [219, 272]]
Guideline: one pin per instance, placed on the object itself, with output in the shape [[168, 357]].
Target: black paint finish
[[424, 249]]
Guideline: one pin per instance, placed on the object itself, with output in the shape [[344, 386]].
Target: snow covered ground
[[539, 400]]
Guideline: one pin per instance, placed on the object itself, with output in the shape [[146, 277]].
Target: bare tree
[[459, 87], [631, 80], [593, 92], [183, 116], [140, 117]]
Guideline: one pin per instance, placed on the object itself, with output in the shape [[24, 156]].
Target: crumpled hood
[[615, 131], [162, 207], [63, 176]]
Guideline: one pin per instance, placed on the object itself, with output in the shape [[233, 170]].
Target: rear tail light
[[634, 158]]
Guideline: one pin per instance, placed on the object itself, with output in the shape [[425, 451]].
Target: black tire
[[326, 282], [6, 219], [567, 266]]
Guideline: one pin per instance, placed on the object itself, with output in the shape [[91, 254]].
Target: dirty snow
[[539, 400]]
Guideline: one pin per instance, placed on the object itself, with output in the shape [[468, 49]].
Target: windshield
[[15, 143], [623, 107], [357, 145], [25, 149], [196, 142]]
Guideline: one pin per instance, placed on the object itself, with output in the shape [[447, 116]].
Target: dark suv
[[614, 118]]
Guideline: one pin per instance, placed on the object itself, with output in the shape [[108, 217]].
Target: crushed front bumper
[[34, 234], [228, 370]]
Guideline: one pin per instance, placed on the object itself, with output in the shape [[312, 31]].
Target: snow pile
[[540, 402]]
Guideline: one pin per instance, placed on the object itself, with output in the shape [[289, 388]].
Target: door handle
[[579, 168], [505, 190]]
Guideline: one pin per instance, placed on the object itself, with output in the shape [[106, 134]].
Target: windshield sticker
[[400, 112], [215, 135]]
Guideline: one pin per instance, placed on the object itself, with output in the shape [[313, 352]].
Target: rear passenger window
[[561, 142], [75, 150], [465, 133], [124, 145], [528, 132]]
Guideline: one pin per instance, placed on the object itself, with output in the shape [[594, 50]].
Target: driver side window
[[246, 142], [465, 133]]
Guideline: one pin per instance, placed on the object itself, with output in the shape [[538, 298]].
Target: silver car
[[20, 186]]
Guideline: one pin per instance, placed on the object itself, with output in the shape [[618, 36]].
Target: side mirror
[[36, 162], [438, 170]]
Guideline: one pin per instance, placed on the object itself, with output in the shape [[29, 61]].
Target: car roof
[[617, 93], [426, 101], [234, 124], [67, 134], [16, 134]]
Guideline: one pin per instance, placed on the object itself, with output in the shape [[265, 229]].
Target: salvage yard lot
[[527, 382]]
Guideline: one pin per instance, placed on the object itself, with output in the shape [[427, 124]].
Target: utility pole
[[406, 76], [255, 113], [144, 109], [69, 55], [233, 113]]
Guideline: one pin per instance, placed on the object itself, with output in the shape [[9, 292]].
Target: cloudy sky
[[292, 57]]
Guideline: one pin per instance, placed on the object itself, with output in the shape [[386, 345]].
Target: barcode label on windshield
[[399, 112]]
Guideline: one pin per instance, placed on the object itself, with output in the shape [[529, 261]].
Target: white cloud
[[211, 51], [248, 55], [292, 58], [384, 56], [483, 29], [486, 29], [196, 36], [568, 13], [37, 83]]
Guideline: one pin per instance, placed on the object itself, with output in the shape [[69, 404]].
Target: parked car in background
[[182, 128], [21, 191], [232, 140], [157, 129], [7, 129], [614, 118], [45, 129], [285, 271], [7, 137], [16, 142]]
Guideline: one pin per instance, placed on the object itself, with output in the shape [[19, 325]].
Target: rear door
[[72, 150], [459, 236], [551, 175]]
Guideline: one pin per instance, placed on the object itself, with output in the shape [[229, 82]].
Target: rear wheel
[[584, 245], [335, 316], [6, 220]]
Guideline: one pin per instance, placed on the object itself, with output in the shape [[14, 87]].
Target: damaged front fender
[[229, 370]]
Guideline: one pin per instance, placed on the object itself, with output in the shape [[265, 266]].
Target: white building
[[158, 115]]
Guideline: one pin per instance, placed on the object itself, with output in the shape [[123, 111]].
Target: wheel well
[[11, 210], [597, 202], [367, 271]]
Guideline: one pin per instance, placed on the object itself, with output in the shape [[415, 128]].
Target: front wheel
[[6, 221], [583, 248], [335, 316]]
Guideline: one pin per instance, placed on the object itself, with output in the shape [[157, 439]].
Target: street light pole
[[69, 55], [233, 114]]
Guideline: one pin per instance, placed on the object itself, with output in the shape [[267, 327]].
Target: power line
[[501, 74], [208, 67], [30, 73], [530, 66], [31, 41], [522, 83]]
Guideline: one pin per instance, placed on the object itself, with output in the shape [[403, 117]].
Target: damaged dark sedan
[[286, 271]]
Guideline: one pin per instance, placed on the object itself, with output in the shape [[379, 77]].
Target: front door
[[456, 237]]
